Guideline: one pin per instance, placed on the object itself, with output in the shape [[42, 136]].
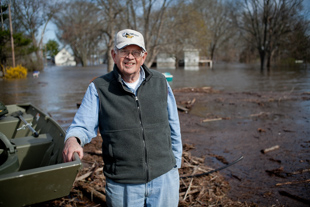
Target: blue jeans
[[162, 191]]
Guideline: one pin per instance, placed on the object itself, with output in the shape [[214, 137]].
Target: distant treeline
[[250, 31]]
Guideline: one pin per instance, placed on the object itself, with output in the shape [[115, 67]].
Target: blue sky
[[50, 32]]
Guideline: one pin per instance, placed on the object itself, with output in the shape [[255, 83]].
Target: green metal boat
[[31, 166]]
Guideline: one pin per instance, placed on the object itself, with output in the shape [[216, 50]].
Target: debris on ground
[[89, 186], [208, 190]]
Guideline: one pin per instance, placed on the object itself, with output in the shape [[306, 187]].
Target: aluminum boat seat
[[31, 151]]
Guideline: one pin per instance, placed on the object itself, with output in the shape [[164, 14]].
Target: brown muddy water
[[59, 89]]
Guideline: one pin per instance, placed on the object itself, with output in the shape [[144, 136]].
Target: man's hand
[[71, 146]]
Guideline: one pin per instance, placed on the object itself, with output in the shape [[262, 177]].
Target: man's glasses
[[135, 53]]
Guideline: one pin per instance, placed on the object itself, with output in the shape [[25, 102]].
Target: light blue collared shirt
[[86, 120]]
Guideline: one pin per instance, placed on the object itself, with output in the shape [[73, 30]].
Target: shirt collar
[[141, 79]]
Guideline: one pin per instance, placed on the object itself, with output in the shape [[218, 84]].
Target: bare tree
[[174, 33], [79, 26], [145, 15], [183, 28], [296, 46], [218, 22], [266, 22], [150, 22], [29, 16], [110, 14]]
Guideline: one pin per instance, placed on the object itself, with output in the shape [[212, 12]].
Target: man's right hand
[[71, 146]]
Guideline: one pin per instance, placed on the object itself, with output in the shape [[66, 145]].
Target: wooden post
[[12, 39]]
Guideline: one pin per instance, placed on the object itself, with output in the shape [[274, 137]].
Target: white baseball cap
[[129, 37]]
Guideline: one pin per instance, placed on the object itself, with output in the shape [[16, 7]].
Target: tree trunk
[[39, 65], [212, 51], [176, 62], [150, 61], [268, 61], [262, 59], [152, 53], [110, 59], [84, 60]]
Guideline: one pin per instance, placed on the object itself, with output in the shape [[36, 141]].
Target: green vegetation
[[52, 48]]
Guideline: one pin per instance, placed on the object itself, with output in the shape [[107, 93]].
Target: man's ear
[[143, 58], [113, 53]]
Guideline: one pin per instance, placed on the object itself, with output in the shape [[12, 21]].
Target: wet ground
[[237, 121], [246, 124]]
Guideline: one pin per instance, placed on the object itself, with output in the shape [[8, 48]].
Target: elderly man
[[136, 113]]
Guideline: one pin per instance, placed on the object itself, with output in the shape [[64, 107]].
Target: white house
[[64, 58]]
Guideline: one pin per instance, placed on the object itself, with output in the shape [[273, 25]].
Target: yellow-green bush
[[16, 72]]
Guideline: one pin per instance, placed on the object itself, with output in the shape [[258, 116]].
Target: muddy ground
[[270, 130], [233, 124]]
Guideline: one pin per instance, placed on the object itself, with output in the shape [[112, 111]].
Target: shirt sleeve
[[174, 127], [85, 122]]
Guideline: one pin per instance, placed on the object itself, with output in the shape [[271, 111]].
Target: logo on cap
[[129, 35]]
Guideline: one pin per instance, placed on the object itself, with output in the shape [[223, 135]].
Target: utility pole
[[1, 16], [12, 39]]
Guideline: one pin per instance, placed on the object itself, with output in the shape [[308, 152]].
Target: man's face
[[128, 64]]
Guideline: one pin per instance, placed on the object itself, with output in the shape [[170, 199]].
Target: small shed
[[191, 59], [64, 58], [165, 61]]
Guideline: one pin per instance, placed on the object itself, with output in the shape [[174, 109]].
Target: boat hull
[[39, 174], [37, 185]]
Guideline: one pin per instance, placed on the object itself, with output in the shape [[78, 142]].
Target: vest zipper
[[144, 144]]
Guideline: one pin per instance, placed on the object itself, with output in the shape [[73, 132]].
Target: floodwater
[[58, 89], [241, 78]]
